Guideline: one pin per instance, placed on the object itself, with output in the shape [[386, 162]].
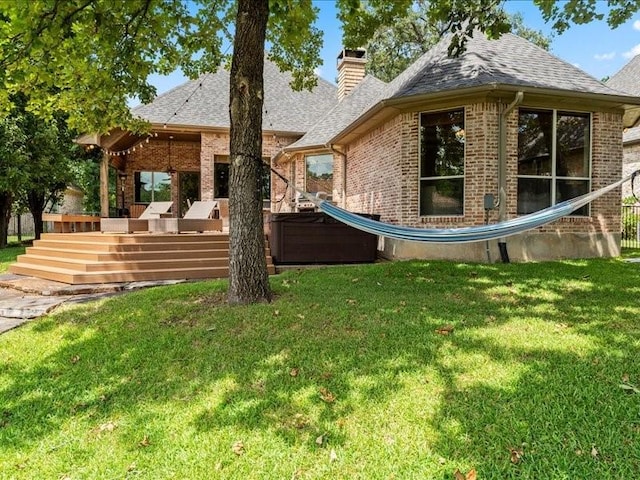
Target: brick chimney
[[350, 70]]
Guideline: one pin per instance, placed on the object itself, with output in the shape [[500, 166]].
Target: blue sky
[[594, 47]]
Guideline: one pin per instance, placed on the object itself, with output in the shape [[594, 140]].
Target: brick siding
[[190, 157]]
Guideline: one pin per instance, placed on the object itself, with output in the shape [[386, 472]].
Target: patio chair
[[197, 219], [141, 224]]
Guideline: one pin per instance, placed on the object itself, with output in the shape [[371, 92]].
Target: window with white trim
[[554, 158], [442, 142]]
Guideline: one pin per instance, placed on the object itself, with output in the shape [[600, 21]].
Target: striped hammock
[[463, 234]]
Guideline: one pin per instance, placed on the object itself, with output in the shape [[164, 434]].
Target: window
[[221, 177], [554, 157], [152, 187], [442, 141], [319, 173]]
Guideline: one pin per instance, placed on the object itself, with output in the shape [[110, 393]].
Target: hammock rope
[[463, 234]]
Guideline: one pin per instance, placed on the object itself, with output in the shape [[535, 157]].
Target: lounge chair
[[197, 219], [140, 224]]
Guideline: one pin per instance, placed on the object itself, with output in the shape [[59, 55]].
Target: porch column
[[104, 185]]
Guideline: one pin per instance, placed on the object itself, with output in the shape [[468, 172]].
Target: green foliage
[[630, 221], [392, 48], [406, 370], [563, 14]]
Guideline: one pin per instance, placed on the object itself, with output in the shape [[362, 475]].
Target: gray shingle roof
[[362, 97], [628, 78], [509, 60], [208, 105]]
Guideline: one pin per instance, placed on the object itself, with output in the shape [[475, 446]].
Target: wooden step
[[97, 237], [91, 258], [129, 247], [73, 277], [124, 256], [90, 266]]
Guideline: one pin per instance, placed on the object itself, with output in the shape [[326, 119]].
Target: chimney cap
[[353, 54]]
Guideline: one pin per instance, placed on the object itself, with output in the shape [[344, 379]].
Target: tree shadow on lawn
[[300, 369]]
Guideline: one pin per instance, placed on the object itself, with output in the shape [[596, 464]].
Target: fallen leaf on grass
[[107, 427], [445, 330], [294, 372], [629, 388], [327, 396], [276, 313], [300, 316], [333, 456], [594, 452], [321, 439], [238, 448], [75, 359], [300, 421], [516, 455], [625, 377], [145, 442], [470, 475], [351, 301], [354, 280]]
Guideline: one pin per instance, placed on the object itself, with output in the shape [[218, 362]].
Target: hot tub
[[315, 237]]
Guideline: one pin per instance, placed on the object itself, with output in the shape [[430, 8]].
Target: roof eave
[[631, 105]]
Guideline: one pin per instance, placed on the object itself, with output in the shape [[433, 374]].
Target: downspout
[[344, 173], [502, 171]]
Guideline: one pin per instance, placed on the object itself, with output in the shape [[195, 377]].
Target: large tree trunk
[[248, 278], [6, 200], [36, 203]]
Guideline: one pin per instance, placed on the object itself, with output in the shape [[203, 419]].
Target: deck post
[[104, 185]]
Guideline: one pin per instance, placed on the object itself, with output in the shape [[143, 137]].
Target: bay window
[[319, 173], [442, 144], [554, 158]]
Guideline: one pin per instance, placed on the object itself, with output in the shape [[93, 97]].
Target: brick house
[[628, 80], [506, 116], [505, 119]]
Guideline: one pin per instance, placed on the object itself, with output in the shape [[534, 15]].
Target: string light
[[117, 153]]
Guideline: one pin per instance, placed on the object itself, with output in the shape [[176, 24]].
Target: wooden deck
[[93, 257]]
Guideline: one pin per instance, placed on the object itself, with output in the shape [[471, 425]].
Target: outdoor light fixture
[[123, 178], [170, 169]]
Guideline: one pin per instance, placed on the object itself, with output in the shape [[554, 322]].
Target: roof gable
[[204, 102], [363, 96]]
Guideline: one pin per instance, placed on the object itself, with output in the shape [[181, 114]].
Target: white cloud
[[636, 25], [633, 52], [604, 56], [318, 71]]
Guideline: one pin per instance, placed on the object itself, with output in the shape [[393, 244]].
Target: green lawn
[[407, 370], [8, 256]]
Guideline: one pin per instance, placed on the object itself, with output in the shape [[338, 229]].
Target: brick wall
[[154, 157], [189, 157], [382, 170]]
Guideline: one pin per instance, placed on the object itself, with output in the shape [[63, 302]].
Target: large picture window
[[319, 173], [554, 158], [152, 187], [442, 141]]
